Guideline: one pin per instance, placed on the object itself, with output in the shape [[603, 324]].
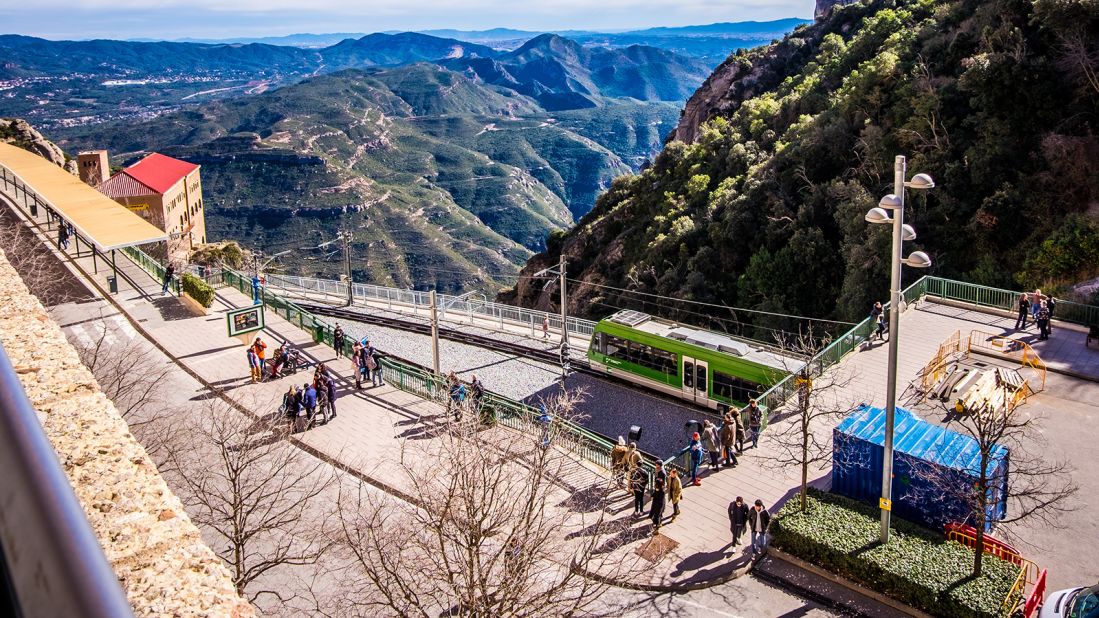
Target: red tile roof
[[159, 172]]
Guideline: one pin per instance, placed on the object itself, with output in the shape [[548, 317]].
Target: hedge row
[[917, 567], [197, 289]]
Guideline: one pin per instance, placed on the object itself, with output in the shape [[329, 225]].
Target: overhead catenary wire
[[704, 304]]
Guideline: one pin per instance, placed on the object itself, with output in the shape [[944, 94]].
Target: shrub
[[916, 567], [197, 289]]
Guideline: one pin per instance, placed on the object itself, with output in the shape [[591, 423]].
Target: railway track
[[578, 362], [482, 341]]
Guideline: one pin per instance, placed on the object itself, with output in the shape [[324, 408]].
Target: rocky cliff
[[20, 133], [758, 201]]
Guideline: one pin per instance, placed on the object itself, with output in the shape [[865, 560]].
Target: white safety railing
[[451, 308]]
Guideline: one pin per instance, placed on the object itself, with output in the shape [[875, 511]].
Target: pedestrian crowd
[[1039, 307], [722, 444]]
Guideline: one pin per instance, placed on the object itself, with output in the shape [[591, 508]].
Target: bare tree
[[806, 440], [1034, 486], [42, 273], [241, 479], [132, 374], [484, 530]]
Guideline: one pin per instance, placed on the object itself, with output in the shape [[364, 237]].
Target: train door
[[694, 379]]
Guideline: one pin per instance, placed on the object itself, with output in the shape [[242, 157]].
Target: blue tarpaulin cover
[[858, 443]]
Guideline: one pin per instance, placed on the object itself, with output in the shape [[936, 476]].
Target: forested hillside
[[759, 202]]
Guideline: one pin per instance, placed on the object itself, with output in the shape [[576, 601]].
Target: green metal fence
[[150, 265], [1007, 300]]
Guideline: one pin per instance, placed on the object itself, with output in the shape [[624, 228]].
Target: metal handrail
[[52, 558]]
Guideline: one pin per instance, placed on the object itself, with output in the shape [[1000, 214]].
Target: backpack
[[371, 364]]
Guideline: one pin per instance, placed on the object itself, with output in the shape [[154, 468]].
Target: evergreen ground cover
[[917, 567]]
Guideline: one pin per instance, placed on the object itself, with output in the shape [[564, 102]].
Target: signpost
[[241, 323]]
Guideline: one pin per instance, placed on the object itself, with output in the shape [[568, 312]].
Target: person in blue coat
[[695, 452], [309, 401]]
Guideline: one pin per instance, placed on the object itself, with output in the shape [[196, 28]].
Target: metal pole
[[434, 334], [894, 328], [564, 306], [347, 259]]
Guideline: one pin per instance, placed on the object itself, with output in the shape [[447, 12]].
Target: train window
[[688, 374], [641, 355], [734, 388], [700, 379]]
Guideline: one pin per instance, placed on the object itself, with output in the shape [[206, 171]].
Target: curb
[[840, 581]]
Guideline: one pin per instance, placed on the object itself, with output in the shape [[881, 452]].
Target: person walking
[[309, 401], [738, 422], [738, 518], [675, 491], [712, 443], [694, 452], [322, 400], [330, 386], [1043, 321], [168, 274], [63, 236], [253, 365], [877, 318], [633, 458], [759, 519], [261, 351], [338, 340], [639, 480], [755, 421], [728, 440], [660, 486], [1024, 310], [545, 327]]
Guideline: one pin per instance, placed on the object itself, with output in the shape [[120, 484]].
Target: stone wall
[[156, 551]]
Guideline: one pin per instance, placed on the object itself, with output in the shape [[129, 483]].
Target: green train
[[700, 366]]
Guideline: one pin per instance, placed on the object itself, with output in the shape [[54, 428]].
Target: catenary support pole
[[564, 306], [894, 336], [346, 235], [434, 334]]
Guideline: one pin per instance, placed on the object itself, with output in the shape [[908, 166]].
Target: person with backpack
[[877, 320], [322, 401], [728, 439], [639, 481], [1043, 322], [290, 402]]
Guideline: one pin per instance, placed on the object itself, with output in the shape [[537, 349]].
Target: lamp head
[[908, 232], [917, 259], [890, 202], [877, 215], [920, 182]]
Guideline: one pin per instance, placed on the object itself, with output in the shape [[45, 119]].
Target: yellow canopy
[[95, 216]]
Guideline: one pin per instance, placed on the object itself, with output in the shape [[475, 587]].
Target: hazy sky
[[170, 19]]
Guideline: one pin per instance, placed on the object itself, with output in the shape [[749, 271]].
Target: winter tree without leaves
[[801, 433], [132, 374], [485, 530], [259, 495], [1038, 485]]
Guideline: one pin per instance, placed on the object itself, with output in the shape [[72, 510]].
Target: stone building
[[166, 192]]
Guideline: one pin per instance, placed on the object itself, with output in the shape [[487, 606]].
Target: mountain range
[[759, 199]]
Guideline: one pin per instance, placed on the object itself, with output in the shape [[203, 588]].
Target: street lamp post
[[901, 232]]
